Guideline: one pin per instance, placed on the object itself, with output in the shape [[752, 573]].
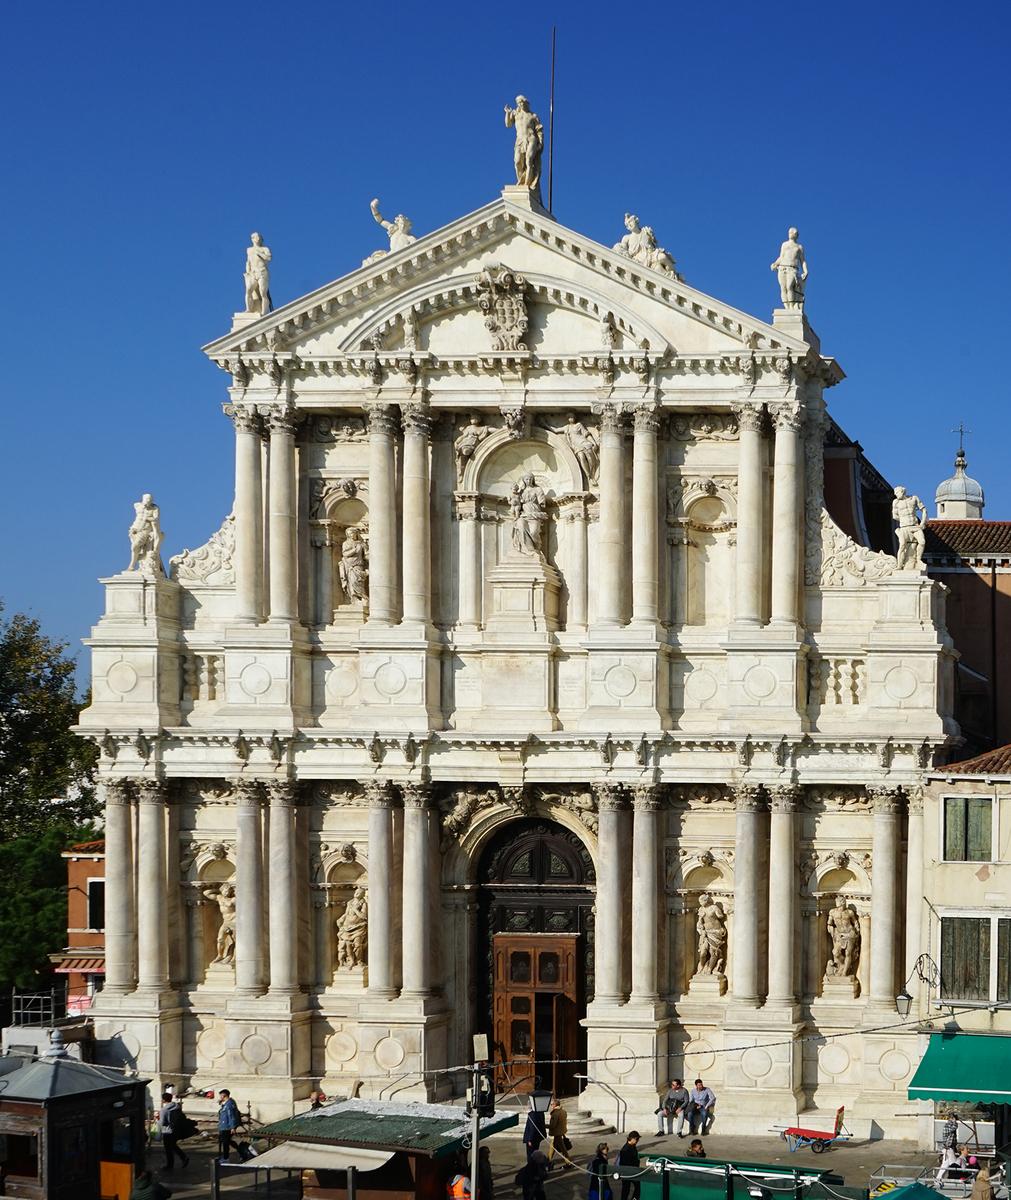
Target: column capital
[[610, 797], [647, 797], [382, 420], [417, 420], [787, 416], [612, 417], [748, 797], [785, 797], [750, 418], [466, 505], [118, 792], [281, 793], [248, 793], [379, 793], [150, 791], [885, 801], [417, 795], [282, 419], [645, 419], [914, 800], [245, 419]]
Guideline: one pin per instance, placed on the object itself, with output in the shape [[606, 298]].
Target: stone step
[[583, 1124]]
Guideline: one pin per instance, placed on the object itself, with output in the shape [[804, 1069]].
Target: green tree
[[47, 774]]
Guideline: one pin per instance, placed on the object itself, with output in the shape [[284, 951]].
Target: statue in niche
[[353, 568], [583, 446], [467, 441], [844, 930], [711, 926], [528, 512], [608, 331], [791, 269], [225, 949], [257, 277], [146, 538], [529, 143], [910, 529], [353, 931]]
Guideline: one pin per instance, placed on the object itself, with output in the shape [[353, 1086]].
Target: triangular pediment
[[426, 298]]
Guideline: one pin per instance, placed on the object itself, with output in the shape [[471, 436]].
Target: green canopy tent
[[975, 1068], [913, 1191]]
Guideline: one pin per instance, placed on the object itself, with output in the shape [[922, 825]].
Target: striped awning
[[81, 966]]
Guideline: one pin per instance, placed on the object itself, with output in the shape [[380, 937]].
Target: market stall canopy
[[964, 1066], [913, 1191], [307, 1156]]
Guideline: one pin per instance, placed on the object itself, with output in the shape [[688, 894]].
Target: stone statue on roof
[[529, 143], [909, 514], [257, 276], [146, 538], [791, 268], [639, 244]]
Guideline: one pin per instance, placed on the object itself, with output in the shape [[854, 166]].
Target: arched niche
[[501, 461], [706, 874], [839, 881], [341, 880], [341, 509], [709, 559], [214, 873]]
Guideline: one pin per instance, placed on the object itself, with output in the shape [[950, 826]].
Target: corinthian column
[[914, 879], [610, 576], [120, 930], [611, 806], [645, 550], [575, 516], [417, 931], [382, 516], [782, 892], [749, 804], [380, 797], [787, 506], [281, 879], [152, 927], [748, 598], [248, 515], [417, 423], [250, 976], [281, 516], [465, 509], [645, 885], [885, 805]]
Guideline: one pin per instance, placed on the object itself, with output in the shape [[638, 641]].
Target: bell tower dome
[[959, 498]]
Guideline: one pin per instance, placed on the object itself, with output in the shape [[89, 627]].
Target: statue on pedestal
[[526, 507], [791, 267], [354, 565], [467, 441], [844, 930], [711, 927], [910, 529], [225, 900], [529, 143], [353, 931], [257, 277], [639, 244], [583, 446], [145, 538]]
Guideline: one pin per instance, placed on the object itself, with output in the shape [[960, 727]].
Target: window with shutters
[[976, 959], [96, 903], [968, 828]]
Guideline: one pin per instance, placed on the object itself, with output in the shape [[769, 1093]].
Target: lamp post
[[927, 971]]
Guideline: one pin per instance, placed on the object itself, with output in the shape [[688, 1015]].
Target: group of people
[[175, 1126], [697, 1107], [958, 1164], [627, 1157]]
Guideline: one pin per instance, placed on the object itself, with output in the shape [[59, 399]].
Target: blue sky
[[143, 143]]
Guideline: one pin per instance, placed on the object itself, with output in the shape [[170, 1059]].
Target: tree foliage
[[46, 772]]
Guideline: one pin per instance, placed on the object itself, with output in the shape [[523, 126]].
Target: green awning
[[964, 1066]]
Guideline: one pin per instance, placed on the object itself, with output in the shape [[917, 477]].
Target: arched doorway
[[535, 950]]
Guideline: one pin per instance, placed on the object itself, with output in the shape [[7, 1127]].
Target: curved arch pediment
[[478, 473]]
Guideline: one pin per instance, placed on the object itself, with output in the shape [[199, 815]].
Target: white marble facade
[[399, 642]]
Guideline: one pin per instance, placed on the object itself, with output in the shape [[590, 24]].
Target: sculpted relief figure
[[639, 244], [529, 143], [844, 930], [583, 446], [225, 950], [353, 568], [467, 441], [526, 507], [257, 276], [909, 529], [711, 927], [145, 538], [353, 931], [791, 267]]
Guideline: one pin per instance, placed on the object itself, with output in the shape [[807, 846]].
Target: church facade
[[529, 689]]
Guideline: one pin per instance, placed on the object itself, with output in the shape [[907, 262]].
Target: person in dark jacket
[[628, 1156], [600, 1185], [534, 1132], [229, 1119], [485, 1181], [696, 1149], [531, 1177], [146, 1187], [170, 1124]]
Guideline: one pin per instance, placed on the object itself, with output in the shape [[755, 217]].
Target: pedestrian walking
[[949, 1134], [485, 1180], [558, 1132], [170, 1125], [628, 1156], [229, 1119], [531, 1177], [534, 1132], [674, 1103], [701, 1102], [600, 1185]]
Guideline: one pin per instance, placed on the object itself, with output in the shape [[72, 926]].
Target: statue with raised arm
[[528, 512], [711, 928], [146, 538], [353, 568], [529, 143], [583, 446], [910, 515], [467, 441], [257, 276], [225, 946], [353, 931], [791, 267], [398, 230], [844, 932]]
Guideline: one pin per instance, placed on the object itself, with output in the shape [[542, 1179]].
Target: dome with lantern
[[959, 498]]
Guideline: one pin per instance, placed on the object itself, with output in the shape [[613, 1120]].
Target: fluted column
[[417, 920], [787, 511], [914, 879], [250, 957], [645, 490], [382, 516], [749, 804], [120, 927], [748, 592], [152, 926], [885, 805], [610, 576], [281, 516], [645, 886], [465, 508], [609, 919], [782, 892], [575, 516], [417, 539], [281, 879], [248, 515], [380, 798]]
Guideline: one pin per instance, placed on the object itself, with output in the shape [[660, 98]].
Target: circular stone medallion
[[122, 678], [341, 1048], [256, 1050], [341, 683], [619, 682], [620, 1059], [390, 680], [900, 683], [211, 1044], [759, 683], [756, 1063], [254, 679], [834, 1059], [389, 1053], [701, 1054], [895, 1065], [700, 685]]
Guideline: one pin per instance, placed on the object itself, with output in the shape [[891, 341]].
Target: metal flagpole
[[551, 127]]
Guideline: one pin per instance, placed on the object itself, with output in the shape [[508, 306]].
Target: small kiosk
[[68, 1130]]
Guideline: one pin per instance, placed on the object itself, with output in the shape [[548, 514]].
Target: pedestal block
[[762, 1074], [631, 1046], [524, 597], [399, 682], [628, 684], [707, 987]]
